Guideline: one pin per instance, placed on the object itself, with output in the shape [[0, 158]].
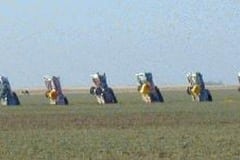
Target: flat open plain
[[176, 129]]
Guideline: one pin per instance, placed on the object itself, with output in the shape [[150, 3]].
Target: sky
[[76, 38]]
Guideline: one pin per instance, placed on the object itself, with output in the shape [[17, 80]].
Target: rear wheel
[[139, 88], [189, 90], [92, 90], [98, 91]]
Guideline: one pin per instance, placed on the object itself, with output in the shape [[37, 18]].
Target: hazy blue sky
[[74, 38]]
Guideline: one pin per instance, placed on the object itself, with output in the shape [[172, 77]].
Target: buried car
[[7, 96], [103, 93], [150, 93], [197, 88], [54, 91]]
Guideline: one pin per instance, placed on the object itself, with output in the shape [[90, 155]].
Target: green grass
[[177, 129]]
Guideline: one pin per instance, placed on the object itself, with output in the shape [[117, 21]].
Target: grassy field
[[178, 129]]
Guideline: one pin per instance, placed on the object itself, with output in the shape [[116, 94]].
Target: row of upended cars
[[104, 94]]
